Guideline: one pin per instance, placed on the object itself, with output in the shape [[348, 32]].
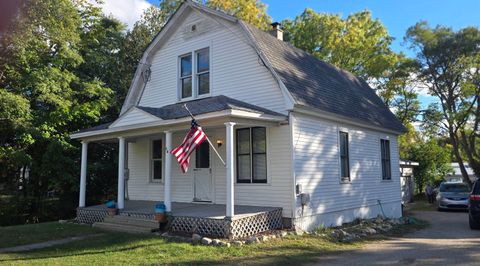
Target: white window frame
[[344, 179], [180, 77], [267, 154], [197, 74], [151, 161], [389, 159], [194, 75]]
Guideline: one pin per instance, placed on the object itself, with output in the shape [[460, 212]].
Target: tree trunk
[[458, 156]]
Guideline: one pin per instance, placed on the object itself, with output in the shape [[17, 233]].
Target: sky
[[396, 15]]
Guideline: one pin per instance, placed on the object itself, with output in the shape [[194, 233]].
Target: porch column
[[230, 169], [168, 171], [121, 173], [83, 174]]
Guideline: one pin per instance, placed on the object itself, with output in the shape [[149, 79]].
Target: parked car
[[453, 196], [474, 209]]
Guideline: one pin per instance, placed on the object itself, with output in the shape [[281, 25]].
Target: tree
[[449, 65], [358, 43], [43, 79], [251, 11], [433, 163]]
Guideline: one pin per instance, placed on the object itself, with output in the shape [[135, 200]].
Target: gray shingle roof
[[205, 105], [98, 127], [317, 84]]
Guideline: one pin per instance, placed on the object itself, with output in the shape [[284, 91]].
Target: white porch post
[[230, 170], [168, 171], [121, 173], [83, 175]]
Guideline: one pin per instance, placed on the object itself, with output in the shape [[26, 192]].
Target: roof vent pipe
[[277, 31]]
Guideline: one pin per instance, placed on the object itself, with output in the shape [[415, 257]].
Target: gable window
[[186, 76], [156, 160], [194, 74], [203, 72], [251, 155], [344, 157], [386, 166]]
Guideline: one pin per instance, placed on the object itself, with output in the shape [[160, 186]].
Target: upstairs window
[[194, 74], [186, 76], [344, 157], [386, 166], [203, 72]]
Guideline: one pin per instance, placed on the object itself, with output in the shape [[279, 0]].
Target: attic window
[[194, 74]]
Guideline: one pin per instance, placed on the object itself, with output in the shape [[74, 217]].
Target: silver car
[[453, 196]]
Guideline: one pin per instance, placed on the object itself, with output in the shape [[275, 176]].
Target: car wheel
[[474, 225]]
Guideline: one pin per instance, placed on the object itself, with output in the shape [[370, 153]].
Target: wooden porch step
[[126, 220], [123, 228]]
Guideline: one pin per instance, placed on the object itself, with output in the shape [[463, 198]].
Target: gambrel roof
[[305, 80], [317, 84]]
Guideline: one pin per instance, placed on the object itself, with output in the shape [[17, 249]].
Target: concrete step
[[122, 228], [126, 220]]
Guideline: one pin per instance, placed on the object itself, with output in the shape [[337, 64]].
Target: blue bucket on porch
[[160, 208], [111, 204]]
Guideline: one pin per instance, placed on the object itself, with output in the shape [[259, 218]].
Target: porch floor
[[184, 209]]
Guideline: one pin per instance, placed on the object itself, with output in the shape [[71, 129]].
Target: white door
[[203, 174]]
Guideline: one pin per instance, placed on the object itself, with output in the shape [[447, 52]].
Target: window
[[344, 159], [202, 155], [203, 72], [186, 76], [194, 74], [157, 160], [386, 166], [252, 155]]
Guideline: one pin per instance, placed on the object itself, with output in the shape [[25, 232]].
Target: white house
[[296, 133], [456, 174]]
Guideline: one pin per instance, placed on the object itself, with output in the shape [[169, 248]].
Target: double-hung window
[[252, 155], [344, 157], [194, 74], [386, 166], [202, 80], [186, 76], [156, 160]]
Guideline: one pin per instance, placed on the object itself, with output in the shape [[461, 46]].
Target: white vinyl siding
[[317, 169], [134, 116], [235, 69]]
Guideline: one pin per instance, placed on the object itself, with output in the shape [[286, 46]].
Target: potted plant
[[112, 208], [160, 215]]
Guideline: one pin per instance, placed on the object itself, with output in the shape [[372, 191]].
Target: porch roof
[[208, 111]]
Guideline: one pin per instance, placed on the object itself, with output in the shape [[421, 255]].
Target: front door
[[202, 174]]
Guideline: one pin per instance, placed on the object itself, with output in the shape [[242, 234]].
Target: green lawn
[[122, 248]]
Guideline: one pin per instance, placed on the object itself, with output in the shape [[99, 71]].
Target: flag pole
[[208, 140]]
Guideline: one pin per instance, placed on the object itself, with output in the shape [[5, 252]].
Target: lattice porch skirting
[[233, 229], [90, 216]]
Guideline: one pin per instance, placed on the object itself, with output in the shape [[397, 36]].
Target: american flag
[[194, 138]]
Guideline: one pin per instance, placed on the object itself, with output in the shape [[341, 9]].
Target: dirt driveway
[[447, 241]]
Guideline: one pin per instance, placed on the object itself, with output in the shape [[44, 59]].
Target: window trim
[[151, 161], [197, 73], [344, 179], [387, 160], [194, 75], [251, 153]]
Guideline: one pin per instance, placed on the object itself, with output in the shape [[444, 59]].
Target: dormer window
[[194, 78]]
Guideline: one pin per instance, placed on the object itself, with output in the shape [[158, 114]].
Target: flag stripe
[[191, 141]]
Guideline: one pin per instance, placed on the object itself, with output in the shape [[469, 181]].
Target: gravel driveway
[[447, 241]]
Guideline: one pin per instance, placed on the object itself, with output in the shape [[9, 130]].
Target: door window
[[202, 156]]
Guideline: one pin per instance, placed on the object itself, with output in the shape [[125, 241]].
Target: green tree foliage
[[449, 65], [48, 91], [251, 11], [433, 162], [359, 43]]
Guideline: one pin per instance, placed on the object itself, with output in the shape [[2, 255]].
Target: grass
[[420, 203], [122, 248]]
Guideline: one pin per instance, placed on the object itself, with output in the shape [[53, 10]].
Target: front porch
[[203, 219]]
